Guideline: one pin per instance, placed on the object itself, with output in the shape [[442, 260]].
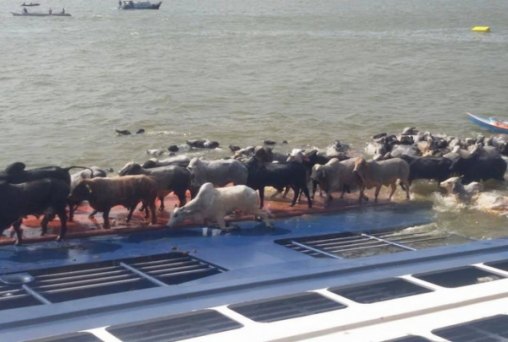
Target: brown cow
[[104, 193]]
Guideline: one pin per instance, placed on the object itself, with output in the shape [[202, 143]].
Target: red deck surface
[[83, 226]]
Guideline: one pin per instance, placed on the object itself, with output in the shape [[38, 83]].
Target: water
[[239, 72]]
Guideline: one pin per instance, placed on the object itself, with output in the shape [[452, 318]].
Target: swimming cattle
[[212, 204], [478, 167]]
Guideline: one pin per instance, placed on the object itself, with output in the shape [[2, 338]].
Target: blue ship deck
[[114, 285]]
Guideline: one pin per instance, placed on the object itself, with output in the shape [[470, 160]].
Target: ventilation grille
[[73, 337], [355, 245], [456, 277], [95, 279], [175, 328], [378, 291], [488, 329], [280, 308]]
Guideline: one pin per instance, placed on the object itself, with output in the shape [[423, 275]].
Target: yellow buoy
[[481, 29]]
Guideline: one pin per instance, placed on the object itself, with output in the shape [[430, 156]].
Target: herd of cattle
[[398, 159]]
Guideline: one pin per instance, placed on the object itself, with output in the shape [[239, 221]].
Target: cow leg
[[181, 198], [221, 222], [261, 197], [305, 190], [376, 194], [105, 216], [71, 211], [152, 210], [44, 224], [19, 233], [131, 210], [393, 186], [362, 195], [407, 191], [296, 190], [161, 207], [92, 214], [63, 225]]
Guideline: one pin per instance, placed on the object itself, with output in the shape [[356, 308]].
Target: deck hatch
[[355, 245], [456, 277], [74, 337], [373, 292], [502, 264], [279, 308], [173, 328], [493, 329]]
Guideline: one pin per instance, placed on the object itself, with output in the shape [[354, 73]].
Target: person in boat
[[50, 11], [63, 11], [25, 11]]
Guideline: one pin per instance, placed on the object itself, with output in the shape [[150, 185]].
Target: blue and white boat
[[490, 123], [138, 5], [367, 274]]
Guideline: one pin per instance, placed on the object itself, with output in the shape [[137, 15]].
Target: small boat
[[492, 124], [130, 5], [480, 29], [40, 14], [30, 4]]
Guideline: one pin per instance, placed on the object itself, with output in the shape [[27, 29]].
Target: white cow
[[218, 172], [211, 204], [378, 173]]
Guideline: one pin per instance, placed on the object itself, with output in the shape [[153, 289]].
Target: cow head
[[360, 168]]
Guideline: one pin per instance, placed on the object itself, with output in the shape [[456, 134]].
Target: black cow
[[16, 173], [431, 168], [477, 167], [279, 176], [46, 196]]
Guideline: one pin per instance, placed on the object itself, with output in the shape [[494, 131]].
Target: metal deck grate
[[456, 277], [72, 337], [175, 328], [378, 291], [175, 270], [355, 245], [60, 284], [14, 296], [493, 329], [276, 309], [502, 264]]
